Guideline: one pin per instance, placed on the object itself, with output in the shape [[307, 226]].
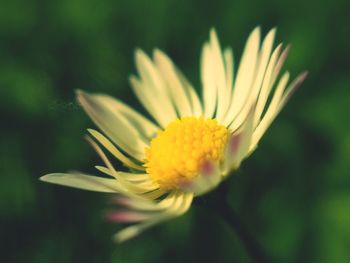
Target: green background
[[293, 193]]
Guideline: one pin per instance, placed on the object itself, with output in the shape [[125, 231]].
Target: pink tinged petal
[[121, 200], [267, 84], [282, 58], [264, 68], [208, 168], [234, 143], [279, 99], [146, 205], [126, 216], [178, 205], [239, 144], [292, 88], [208, 178]]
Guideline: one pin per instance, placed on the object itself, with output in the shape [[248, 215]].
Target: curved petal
[[208, 178], [151, 90], [145, 127], [114, 150], [113, 124], [208, 82], [197, 108], [126, 187], [264, 68], [239, 144], [179, 93], [279, 99], [245, 76], [268, 81], [178, 205], [229, 66], [82, 181]]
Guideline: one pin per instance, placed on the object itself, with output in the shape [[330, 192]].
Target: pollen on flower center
[[177, 154]]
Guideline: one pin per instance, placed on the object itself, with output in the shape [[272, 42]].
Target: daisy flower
[[190, 144]]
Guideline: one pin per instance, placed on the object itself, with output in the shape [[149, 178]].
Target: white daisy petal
[[208, 82], [133, 177], [113, 125], [279, 64], [197, 108], [127, 216], [181, 204], [191, 145], [82, 181], [154, 90], [113, 150], [229, 67], [245, 76], [267, 84], [219, 74], [129, 187], [179, 92], [261, 68], [145, 127], [292, 88], [271, 111], [147, 205]]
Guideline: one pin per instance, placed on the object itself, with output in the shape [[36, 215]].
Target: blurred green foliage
[[293, 193]]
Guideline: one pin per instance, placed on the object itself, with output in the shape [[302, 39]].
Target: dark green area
[[293, 193]]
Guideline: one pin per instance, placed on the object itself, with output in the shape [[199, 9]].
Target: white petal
[[145, 127], [261, 68], [267, 84], [208, 82], [197, 108], [219, 73], [113, 124], [271, 111], [229, 67], [179, 205], [128, 176], [239, 144], [292, 88], [151, 90], [179, 92], [147, 205], [245, 76], [113, 150], [279, 99], [82, 181], [127, 187]]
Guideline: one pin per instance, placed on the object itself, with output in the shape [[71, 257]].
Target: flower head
[[191, 144]]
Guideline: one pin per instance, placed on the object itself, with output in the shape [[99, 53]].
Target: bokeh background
[[293, 194]]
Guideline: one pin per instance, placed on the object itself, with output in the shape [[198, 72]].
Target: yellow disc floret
[[177, 154]]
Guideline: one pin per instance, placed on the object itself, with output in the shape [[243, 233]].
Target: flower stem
[[218, 203]]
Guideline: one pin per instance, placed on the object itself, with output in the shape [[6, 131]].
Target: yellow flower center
[[177, 154]]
